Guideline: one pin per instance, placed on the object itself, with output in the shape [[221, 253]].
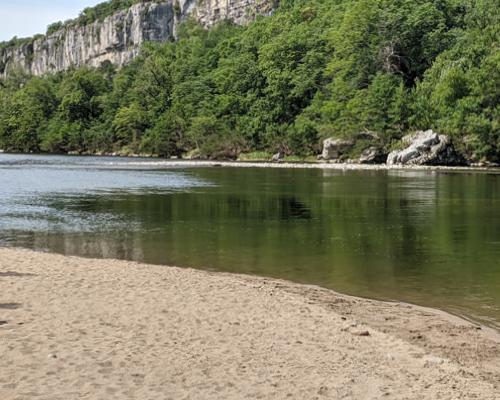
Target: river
[[425, 237]]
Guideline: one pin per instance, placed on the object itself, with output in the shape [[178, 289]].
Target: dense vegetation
[[314, 69]]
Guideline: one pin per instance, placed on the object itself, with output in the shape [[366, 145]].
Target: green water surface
[[431, 238]]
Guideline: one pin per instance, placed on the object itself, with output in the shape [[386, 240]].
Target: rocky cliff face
[[119, 37], [209, 12]]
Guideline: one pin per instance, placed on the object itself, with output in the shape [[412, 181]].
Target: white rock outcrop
[[333, 148], [119, 37], [425, 148]]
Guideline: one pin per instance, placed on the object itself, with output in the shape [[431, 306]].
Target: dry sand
[[76, 328]]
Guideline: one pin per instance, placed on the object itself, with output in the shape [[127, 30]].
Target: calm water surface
[[431, 238]]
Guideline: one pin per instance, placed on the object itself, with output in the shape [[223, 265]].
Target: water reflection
[[424, 237]]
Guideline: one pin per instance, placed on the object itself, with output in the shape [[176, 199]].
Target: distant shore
[[73, 327], [314, 165], [332, 165], [163, 163]]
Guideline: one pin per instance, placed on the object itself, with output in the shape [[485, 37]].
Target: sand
[[76, 328]]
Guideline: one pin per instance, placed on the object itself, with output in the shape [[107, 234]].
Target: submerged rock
[[334, 148], [426, 148]]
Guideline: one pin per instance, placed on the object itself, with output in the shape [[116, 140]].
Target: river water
[[425, 237]]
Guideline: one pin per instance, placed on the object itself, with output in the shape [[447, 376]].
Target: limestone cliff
[[209, 12], [119, 37]]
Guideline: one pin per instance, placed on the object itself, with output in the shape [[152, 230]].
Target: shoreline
[[119, 329], [318, 165], [493, 331], [341, 166]]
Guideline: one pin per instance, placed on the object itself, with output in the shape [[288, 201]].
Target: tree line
[[313, 69]]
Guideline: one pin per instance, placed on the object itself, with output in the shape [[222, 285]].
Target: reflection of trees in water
[[390, 234], [118, 245], [259, 207], [158, 209], [401, 219], [292, 208], [419, 186], [417, 190]]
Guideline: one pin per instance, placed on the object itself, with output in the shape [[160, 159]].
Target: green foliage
[[25, 114], [255, 156], [14, 42], [314, 69], [103, 10], [460, 93], [53, 28]]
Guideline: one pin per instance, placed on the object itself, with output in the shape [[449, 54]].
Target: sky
[[24, 18]]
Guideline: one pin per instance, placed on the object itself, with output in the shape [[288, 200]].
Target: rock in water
[[426, 148], [334, 148]]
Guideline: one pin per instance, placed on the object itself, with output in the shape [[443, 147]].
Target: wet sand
[[73, 328]]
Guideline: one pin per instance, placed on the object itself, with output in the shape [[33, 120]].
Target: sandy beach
[[73, 328]]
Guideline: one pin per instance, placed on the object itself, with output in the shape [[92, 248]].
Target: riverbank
[[304, 165], [92, 329], [137, 160]]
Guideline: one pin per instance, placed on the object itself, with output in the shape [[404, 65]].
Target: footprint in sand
[[10, 306], [14, 274]]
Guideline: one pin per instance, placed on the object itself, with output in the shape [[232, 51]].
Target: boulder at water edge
[[372, 155], [334, 148], [426, 148]]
